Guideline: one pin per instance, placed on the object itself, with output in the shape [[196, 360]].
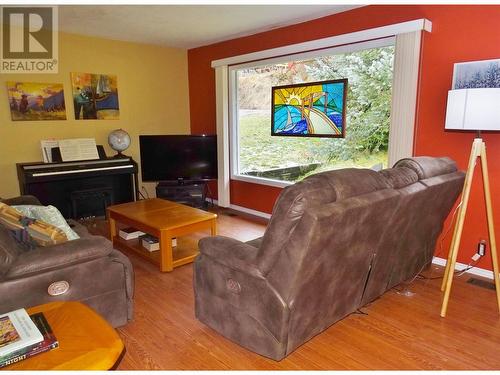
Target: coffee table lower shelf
[[181, 254]]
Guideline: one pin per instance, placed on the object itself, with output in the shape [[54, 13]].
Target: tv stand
[[189, 192], [181, 181]]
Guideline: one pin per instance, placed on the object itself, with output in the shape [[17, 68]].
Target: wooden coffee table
[[165, 220], [86, 340]]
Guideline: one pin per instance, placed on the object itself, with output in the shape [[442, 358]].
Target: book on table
[[17, 331], [150, 243], [49, 342], [130, 233]]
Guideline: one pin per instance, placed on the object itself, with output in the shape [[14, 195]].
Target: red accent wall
[[459, 33]]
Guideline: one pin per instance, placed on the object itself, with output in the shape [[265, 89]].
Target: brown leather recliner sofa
[[335, 242], [98, 275]]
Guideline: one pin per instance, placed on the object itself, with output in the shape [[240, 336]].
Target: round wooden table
[[86, 340]]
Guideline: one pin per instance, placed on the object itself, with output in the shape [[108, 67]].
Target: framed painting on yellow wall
[[36, 101], [95, 96]]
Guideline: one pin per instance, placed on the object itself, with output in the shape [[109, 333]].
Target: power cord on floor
[[468, 267], [404, 290], [360, 312], [448, 229], [438, 252]]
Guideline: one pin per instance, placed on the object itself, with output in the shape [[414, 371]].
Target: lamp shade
[[473, 109]]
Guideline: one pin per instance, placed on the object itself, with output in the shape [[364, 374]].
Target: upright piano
[[81, 189]]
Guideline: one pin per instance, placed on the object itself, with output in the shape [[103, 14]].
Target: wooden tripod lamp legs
[[491, 226], [457, 233], [478, 150]]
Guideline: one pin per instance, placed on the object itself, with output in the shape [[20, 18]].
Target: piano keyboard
[[71, 171]]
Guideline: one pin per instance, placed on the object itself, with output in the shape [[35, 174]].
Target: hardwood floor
[[397, 332]]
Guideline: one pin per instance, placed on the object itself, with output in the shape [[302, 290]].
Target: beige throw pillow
[[28, 230]]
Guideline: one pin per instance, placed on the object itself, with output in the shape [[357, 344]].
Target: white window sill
[[261, 180]]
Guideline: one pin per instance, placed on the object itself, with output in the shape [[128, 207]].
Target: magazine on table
[[49, 342], [130, 233], [150, 243], [17, 331]]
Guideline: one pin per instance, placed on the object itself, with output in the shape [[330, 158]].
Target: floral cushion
[[29, 231], [48, 214]]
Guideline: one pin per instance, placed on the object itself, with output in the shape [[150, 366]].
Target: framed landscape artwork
[[476, 74], [315, 109], [95, 96], [35, 101]]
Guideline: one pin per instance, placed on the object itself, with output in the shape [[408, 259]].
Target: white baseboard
[[245, 210], [460, 266], [250, 211]]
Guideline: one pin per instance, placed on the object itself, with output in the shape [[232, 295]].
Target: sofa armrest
[[44, 259], [79, 228], [231, 292], [256, 242], [23, 199], [231, 253]]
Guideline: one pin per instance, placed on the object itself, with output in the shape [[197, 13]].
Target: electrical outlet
[[481, 248]]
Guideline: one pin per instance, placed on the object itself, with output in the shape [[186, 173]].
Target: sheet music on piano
[[47, 146], [78, 149]]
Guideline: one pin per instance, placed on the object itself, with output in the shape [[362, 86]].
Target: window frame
[[233, 107]]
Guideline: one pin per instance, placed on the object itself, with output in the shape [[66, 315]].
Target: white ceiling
[[185, 26]]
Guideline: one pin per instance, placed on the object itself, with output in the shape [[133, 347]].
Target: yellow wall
[[152, 92]]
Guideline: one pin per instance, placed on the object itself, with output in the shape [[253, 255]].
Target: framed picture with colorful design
[[95, 96], [36, 101], [315, 109]]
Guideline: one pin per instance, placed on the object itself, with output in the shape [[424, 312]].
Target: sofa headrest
[[288, 210], [427, 166], [399, 177], [350, 182], [314, 191], [23, 199]]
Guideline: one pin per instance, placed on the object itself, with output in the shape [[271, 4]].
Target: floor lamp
[[474, 110]]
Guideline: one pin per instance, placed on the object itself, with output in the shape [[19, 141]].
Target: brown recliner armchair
[[98, 275], [336, 241]]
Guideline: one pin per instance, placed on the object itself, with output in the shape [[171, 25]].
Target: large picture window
[[259, 155], [398, 47]]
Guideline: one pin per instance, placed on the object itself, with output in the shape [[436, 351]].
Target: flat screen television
[[178, 157]]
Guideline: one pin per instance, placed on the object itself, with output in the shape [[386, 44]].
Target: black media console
[[191, 193]]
